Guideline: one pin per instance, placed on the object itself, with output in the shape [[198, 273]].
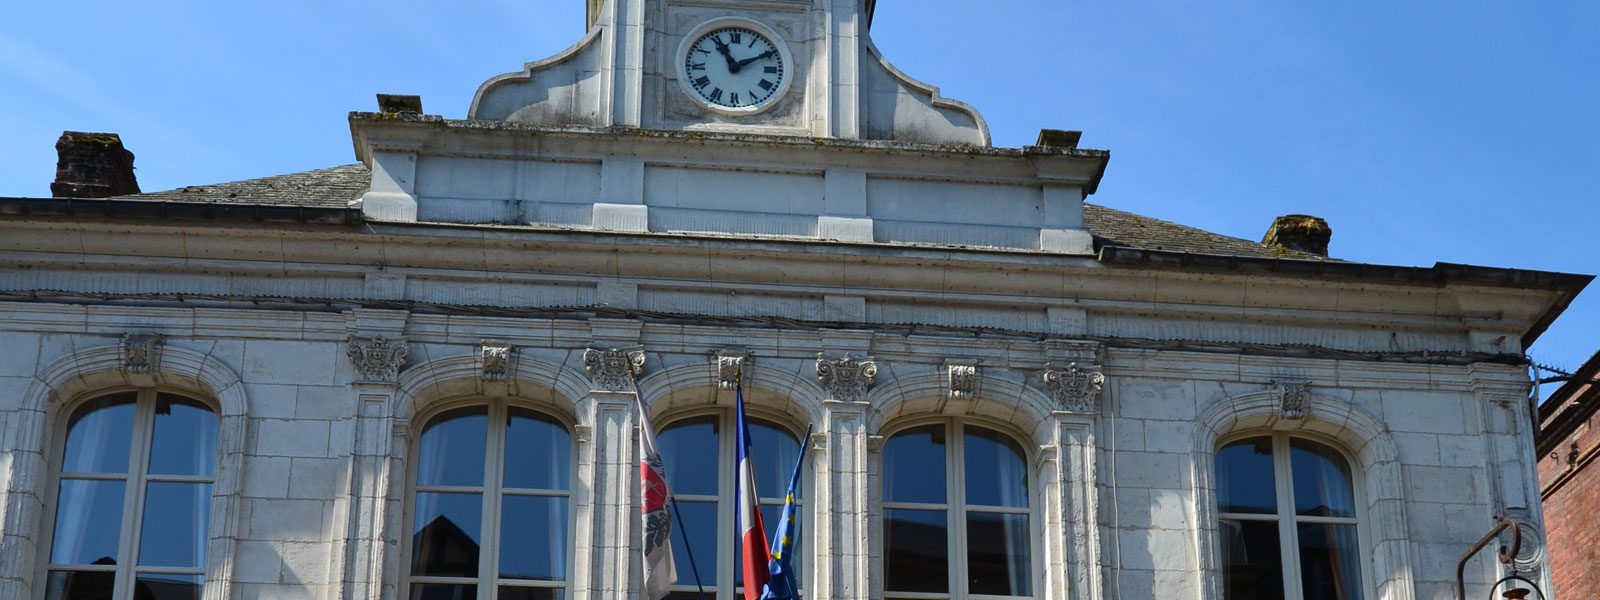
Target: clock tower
[[779, 67]]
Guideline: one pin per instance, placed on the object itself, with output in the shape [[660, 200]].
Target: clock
[[734, 66]]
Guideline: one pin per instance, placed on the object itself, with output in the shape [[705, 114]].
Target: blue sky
[[1459, 131]]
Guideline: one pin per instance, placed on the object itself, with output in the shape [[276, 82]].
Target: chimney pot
[[1304, 233], [1059, 138], [400, 103], [92, 165]]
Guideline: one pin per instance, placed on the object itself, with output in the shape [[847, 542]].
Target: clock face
[[733, 68]]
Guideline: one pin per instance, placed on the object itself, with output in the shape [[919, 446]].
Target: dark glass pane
[[88, 523], [916, 551], [451, 451], [444, 534], [443, 591], [175, 519], [1330, 563], [700, 523], [167, 586], [185, 441], [538, 452], [997, 473], [773, 450], [711, 594], [79, 585], [533, 538], [997, 554], [531, 593], [1252, 560], [913, 466], [100, 435], [1244, 477], [689, 453], [1321, 480]]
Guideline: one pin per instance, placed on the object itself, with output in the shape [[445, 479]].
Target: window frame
[[489, 526], [1283, 484], [956, 488], [136, 483], [727, 442]]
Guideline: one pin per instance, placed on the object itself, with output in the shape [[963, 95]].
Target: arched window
[[491, 511], [955, 514], [1289, 522], [133, 498], [698, 454]]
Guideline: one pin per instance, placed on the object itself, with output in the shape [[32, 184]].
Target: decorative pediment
[[141, 352], [846, 379], [377, 359], [495, 357], [1075, 389], [613, 370], [1293, 398], [962, 376], [730, 368]]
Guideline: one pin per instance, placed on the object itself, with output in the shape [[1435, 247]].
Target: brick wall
[[1571, 489]]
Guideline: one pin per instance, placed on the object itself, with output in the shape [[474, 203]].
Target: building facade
[[1566, 448], [415, 377]]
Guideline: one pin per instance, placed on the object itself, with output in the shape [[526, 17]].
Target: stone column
[[609, 533], [366, 558], [1066, 471], [843, 487]]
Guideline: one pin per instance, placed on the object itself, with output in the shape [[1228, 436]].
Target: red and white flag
[[752, 535], [659, 572]]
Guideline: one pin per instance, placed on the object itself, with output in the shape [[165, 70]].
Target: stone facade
[[858, 258]]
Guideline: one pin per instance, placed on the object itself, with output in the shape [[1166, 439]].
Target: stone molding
[[141, 352], [846, 379], [105, 367], [1075, 389], [496, 358], [730, 368], [613, 370], [377, 358]]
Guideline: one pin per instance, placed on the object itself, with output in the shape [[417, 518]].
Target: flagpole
[[683, 531]]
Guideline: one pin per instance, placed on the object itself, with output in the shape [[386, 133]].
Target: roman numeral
[[752, 43], [734, 98], [701, 82], [697, 66], [765, 85], [736, 37], [771, 70], [716, 95]]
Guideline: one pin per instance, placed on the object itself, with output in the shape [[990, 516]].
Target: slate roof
[[336, 187]]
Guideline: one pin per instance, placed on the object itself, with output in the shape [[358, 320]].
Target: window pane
[[444, 538], [1330, 564], [711, 594], [700, 523], [99, 435], [175, 520], [913, 466], [996, 470], [997, 554], [185, 441], [774, 451], [88, 523], [689, 452], [80, 585], [1244, 477], [1321, 480], [1252, 560], [538, 452], [916, 551], [443, 591], [530, 593], [533, 538], [451, 451], [167, 586]]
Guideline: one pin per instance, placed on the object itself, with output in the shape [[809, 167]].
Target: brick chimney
[[1300, 232], [92, 165]]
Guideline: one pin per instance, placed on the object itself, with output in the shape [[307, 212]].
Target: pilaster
[[843, 489], [607, 570], [366, 555]]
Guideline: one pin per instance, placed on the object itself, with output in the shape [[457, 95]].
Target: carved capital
[[1294, 398], [495, 359], [377, 359], [1075, 389], [730, 366], [962, 377], [846, 379], [613, 370], [141, 352]]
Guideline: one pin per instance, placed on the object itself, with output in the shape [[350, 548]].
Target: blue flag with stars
[[782, 586]]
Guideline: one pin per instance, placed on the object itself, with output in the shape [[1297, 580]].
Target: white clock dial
[[734, 68]]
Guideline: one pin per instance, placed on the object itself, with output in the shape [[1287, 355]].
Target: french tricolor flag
[[752, 535]]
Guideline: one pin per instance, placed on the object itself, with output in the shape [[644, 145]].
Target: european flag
[[782, 585]]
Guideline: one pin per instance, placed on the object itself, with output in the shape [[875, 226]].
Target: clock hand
[[767, 54], [733, 66]]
